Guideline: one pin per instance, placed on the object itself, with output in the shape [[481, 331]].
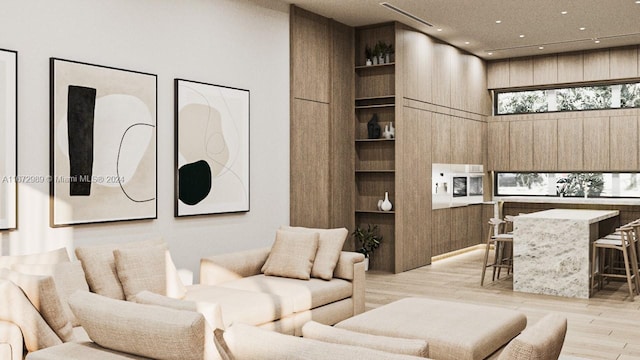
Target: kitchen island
[[551, 250]]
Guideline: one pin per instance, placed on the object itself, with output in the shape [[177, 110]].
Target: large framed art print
[[8, 138], [103, 144], [212, 149]]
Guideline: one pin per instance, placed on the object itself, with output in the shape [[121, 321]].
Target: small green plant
[[377, 49], [367, 239], [368, 52]]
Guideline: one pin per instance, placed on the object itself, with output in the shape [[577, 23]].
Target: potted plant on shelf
[[388, 54], [368, 241], [382, 50], [368, 53], [376, 53]]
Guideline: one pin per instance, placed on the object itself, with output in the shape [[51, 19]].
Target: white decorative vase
[[375, 60], [381, 59], [369, 63], [380, 205], [392, 130], [386, 204], [387, 133], [366, 264]]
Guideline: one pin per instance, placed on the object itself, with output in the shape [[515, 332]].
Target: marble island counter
[[551, 250]]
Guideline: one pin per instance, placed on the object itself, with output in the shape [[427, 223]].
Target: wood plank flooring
[[607, 326]]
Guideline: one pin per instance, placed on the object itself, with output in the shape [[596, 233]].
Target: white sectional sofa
[[235, 283]]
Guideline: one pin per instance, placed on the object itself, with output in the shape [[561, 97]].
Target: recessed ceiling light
[[521, 35], [489, 53], [540, 47], [439, 29], [582, 28], [638, 2], [597, 41], [499, 21], [564, 12], [466, 43]]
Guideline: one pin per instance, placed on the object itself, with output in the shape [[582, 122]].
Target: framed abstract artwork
[[212, 149], [8, 138], [103, 144]]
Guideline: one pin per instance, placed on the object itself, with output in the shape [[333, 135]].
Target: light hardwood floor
[[607, 326]]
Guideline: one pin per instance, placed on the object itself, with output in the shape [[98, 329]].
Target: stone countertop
[[567, 200], [591, 216]]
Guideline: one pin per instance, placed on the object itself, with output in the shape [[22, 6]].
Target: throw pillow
[[100, 268], [68, 277], [292, 255], [141, 269], [17, 309], [41, 291], [330, 243], [48, 257], [330, 334], [211, 311], [144, 330]]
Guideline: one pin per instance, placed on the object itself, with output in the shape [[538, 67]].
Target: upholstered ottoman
[[454, 331]]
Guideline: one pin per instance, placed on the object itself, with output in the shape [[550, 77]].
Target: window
[[624, 185], [568, 99]]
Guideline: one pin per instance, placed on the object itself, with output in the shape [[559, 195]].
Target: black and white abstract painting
[[212, 149], [8, 139], [103, 144]]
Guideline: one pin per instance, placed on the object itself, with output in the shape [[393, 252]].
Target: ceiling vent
[[405, 13]]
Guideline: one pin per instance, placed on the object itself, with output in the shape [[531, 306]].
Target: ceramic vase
[[369, 63], [380, 205], [392, 130], [387, 133], [386, 204]]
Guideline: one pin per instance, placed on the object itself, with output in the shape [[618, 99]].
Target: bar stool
[[499, 240], [626, 243]]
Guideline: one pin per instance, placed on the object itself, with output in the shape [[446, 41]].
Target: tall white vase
[[386, 204]]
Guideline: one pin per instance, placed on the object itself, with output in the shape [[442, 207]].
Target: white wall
[[238, 43]]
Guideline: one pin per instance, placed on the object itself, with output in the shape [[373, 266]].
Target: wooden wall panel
[[596, 144], [458, 85], [479, 96], [309, 188], [624, 62], [441, 138], [498, 74], [521, 145], [441, 74], [545, 145], [476, 142], [545, 70], [459, 145], [425, 65], [570, 67], [413, 248], [441, 231], [410, 58], [474, 225], [570, 143], [459, 227], [310, 49], [341, 131], [596, 65], [521, 71], [498, 145], [623, 143]]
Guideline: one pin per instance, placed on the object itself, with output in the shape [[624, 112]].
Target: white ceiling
[[612, 22]]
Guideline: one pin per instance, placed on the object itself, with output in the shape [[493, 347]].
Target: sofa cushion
[[292, 255], [41, 291], [100, 268], [330, 334], [144, 330], [141, 269], [80, 351], [542, 341], [210, 310], [242, 306], [10, 341], [48, 257], [250, 343], [17, 309], [68, 277], [330, 243], [306, 295]]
